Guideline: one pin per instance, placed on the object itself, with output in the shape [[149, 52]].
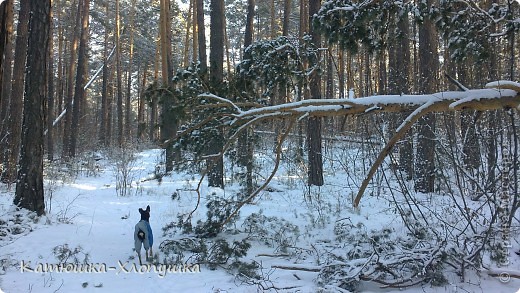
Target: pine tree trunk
[[50, 93], [272, 20], [79, 91], [186, 53], [119, 82], [3, 42], [141, 122], [245, 147], [195, 38], [60, 79], [428, 79], [286, 17], [201, 30], [6, 58], [70, 83], [129, 71], [168, 122], [315, 173], [105, 122], [29, 187], [216, 58], [402, 86], [17, 92]]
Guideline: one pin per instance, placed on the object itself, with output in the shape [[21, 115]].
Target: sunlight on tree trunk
[[29, 187]]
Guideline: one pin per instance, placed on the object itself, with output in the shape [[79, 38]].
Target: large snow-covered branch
[[498, 95], [506, 96]]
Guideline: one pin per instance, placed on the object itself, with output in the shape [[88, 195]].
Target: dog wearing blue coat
[[143, 235]]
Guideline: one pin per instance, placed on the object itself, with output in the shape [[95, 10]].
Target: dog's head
[[145, 214]]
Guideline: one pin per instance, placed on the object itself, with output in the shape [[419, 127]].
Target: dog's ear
[[148, 208], [141, 211]]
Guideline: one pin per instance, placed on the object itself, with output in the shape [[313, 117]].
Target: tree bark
[[17, 91], [70, 83], [50, 93], [105, 123], [29, 187], [168, 121], [6, 58], [245, 147], [141, 122], [129, 72], [315, 173], [216, 172], [79, 90], [401, 85], [119, 82], [201, 30], [286, 17], [428, 82]]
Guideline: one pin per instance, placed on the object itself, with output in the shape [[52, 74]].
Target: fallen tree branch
[[504, 274], [401, 131], [297, 268], [273, 255], [497, 95]]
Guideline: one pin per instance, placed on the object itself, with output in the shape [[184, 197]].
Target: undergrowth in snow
[[291, 238]]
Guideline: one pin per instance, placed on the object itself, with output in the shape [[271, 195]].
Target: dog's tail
[[141, 235]]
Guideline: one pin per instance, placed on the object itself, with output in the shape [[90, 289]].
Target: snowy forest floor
[[88, 217]]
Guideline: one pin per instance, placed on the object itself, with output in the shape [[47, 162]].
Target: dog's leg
[[151, 252], [139, 256]]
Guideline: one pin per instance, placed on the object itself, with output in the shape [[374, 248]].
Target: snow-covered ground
[[87, 214]]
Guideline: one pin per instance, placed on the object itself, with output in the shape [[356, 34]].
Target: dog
[[143, 235]]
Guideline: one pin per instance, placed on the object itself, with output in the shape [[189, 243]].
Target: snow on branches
[[497, 95]]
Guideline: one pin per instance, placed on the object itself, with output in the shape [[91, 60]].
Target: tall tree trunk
[[302, 86], [29, 187], [201, 30], [195, 37], [50, 93], [60, 79], [491, 67], [511, 39], [141, 122], [6, 58], [216, 58], [79, 90], [17, 92], [248, 35], [110, 108], [329, 88], [286, 17], [153, 102], [3, 43], [428, 79], [168, 121], [315, 173], [70, 83], [119, 82], [401, 85], [272, 26], [186, 58], [129, 72], [341, 73], [245, 142], [105, 122]]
